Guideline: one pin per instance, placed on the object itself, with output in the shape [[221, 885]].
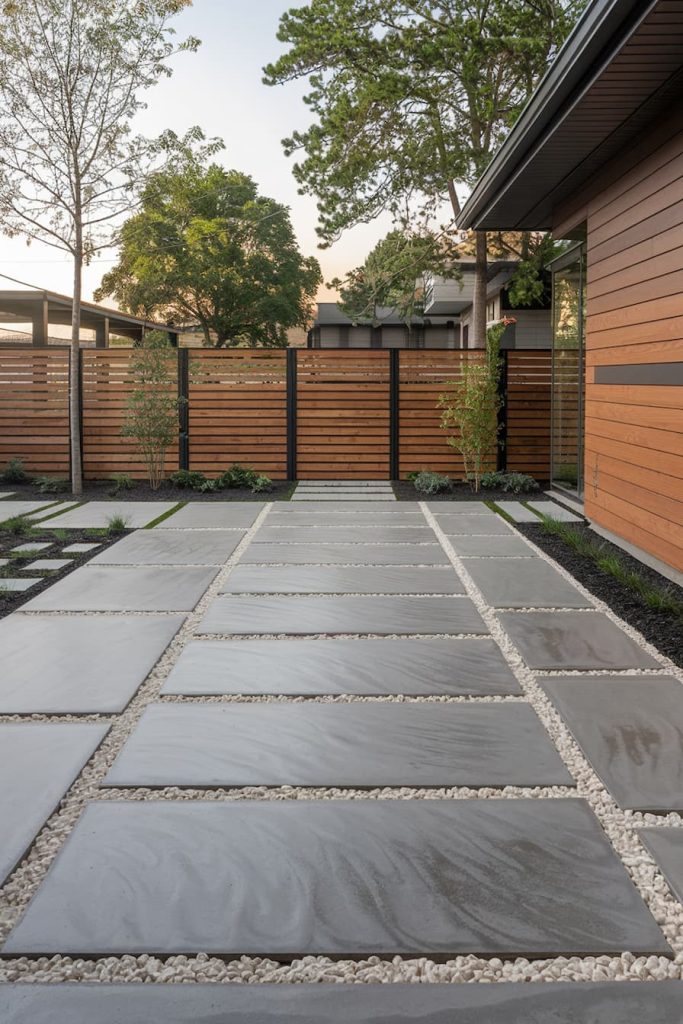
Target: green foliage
[[431, 483], [516, 483], [239, 476], [121, 482], [116, 524], [233, 478], [51, 484], [262, 484], [152, 420], [17, 526], [471, 407], [186, 479], [14, 473], [207, 248], [529, 284]]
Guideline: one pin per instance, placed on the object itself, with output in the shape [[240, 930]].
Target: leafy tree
[[152, 419], [206, 248], [410, 98], [71, 74]]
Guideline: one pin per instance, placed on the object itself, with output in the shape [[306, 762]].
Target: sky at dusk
[[220, 89]]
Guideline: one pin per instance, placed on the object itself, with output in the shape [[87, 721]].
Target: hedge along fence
[[292, 414]]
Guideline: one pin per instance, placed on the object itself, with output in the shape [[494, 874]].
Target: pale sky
[[220, 89]]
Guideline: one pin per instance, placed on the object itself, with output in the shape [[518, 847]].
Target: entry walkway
[[372, 730]]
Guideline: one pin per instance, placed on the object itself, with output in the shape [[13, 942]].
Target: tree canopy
[[206, 248]]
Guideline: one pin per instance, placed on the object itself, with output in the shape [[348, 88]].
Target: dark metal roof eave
[[597, 36]]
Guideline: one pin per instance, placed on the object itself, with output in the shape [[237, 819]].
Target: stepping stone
[[48, 564], [503, 1003], [6, 494], [486, 547], [518, 513], [29, 546], [245, 616], [356, 745], [11, 509], [97, 514], [666, 847], [214, 515], [345, 554], [79, 549], [630, 730], [551, 508], [483, 526], [573, 640], [333, 504], [442, 508], [17, 586], [524, 583], [4, 562], [342, 878], [123, 589], [73, 664], [313, 520], [287, 579], [344, 508], [350, 485], [345, 535], [38, 763], [182, 547], [355, 496], [365, 667]]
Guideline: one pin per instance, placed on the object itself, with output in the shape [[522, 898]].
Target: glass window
[[568, 371]]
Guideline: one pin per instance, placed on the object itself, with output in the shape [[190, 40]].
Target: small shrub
[[121, 482], [188, 480], [14, 473], [152, 420], [239, 476], [116, 524], [261, 484], [211, 486], [16, 526], [431, 483], [51, 484], [516, 483]]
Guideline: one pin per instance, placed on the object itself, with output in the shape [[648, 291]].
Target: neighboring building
[[333, 329], [597, 157]]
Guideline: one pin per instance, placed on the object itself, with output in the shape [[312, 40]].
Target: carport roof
[[24, 306]]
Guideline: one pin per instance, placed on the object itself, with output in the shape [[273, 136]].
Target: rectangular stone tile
[[573, 640], [551, 508], [339, 519], [518, 512], [344, 554], [214, 515], [357, 745], [443, 508], [17, 586], [487, 547], [6, 494], [366, 667], [335, 505], [338, 878], [73, 664], [631, 731], [38, 763], [49, 564], [345, 535], [29, 546], [79, 549], [666, 846], [434, 1003], [524, 583], [110, 588], [359, 579], [10, 509], [474, 526], [97, 514], [167, 547], [357, 497], [311, 615]]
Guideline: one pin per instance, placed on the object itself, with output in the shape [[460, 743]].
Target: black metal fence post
[[183, 408], [291, 413], [502, 460], [394, 409]]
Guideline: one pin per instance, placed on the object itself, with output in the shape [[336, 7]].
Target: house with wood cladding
[[597, 159]]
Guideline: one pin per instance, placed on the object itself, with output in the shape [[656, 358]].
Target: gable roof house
[[597, 157]]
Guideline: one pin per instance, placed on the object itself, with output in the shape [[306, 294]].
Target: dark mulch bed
[[102, 490], [59, 539], [404, 491], [663, 629]]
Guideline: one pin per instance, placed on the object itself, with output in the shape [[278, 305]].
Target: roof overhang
[[620, 68], [25, 306]]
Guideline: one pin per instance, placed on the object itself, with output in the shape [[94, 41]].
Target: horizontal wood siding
[[238, 411], [528, 413], [34, 410]]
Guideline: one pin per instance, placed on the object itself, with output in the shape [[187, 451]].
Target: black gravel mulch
[[103, 490], [663, 629]]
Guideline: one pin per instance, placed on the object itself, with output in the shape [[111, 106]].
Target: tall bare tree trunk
[[478, 336], [75, 371]]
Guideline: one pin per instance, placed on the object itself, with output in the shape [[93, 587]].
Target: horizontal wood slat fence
[[307, 414]]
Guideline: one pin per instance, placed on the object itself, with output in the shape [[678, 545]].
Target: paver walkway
[[373, 730]]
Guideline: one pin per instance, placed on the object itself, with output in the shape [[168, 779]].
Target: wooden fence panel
[[108, 383], [34, 409], [238, 410], [343, 415], [528, 412]]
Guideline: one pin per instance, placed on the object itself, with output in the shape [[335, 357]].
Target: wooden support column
[[40, 326], [102, 333]]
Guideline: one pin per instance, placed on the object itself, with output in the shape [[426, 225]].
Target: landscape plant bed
[[102, 490], [662, 628], [58, 539], [461, 491]]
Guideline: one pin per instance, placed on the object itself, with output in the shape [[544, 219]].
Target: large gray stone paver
[[367, 667], [110, 588], [97, 514], [10, 509], [474, 526], [214, 515], [301, 519], [573, 640], [339, 878], [17, 585], [666, 846], [518, 512], [75, 664], [344, 554], [38, 763], [490, 547], [442, 508], [631, 731], [333, 505], [555, 511], [342, 614], [360, 579], [344, 535], [524, 583], [356, 745], [433, 1003], [179, 547], [357, 497]]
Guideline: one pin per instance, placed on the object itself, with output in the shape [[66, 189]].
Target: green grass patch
[[171, 512]]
